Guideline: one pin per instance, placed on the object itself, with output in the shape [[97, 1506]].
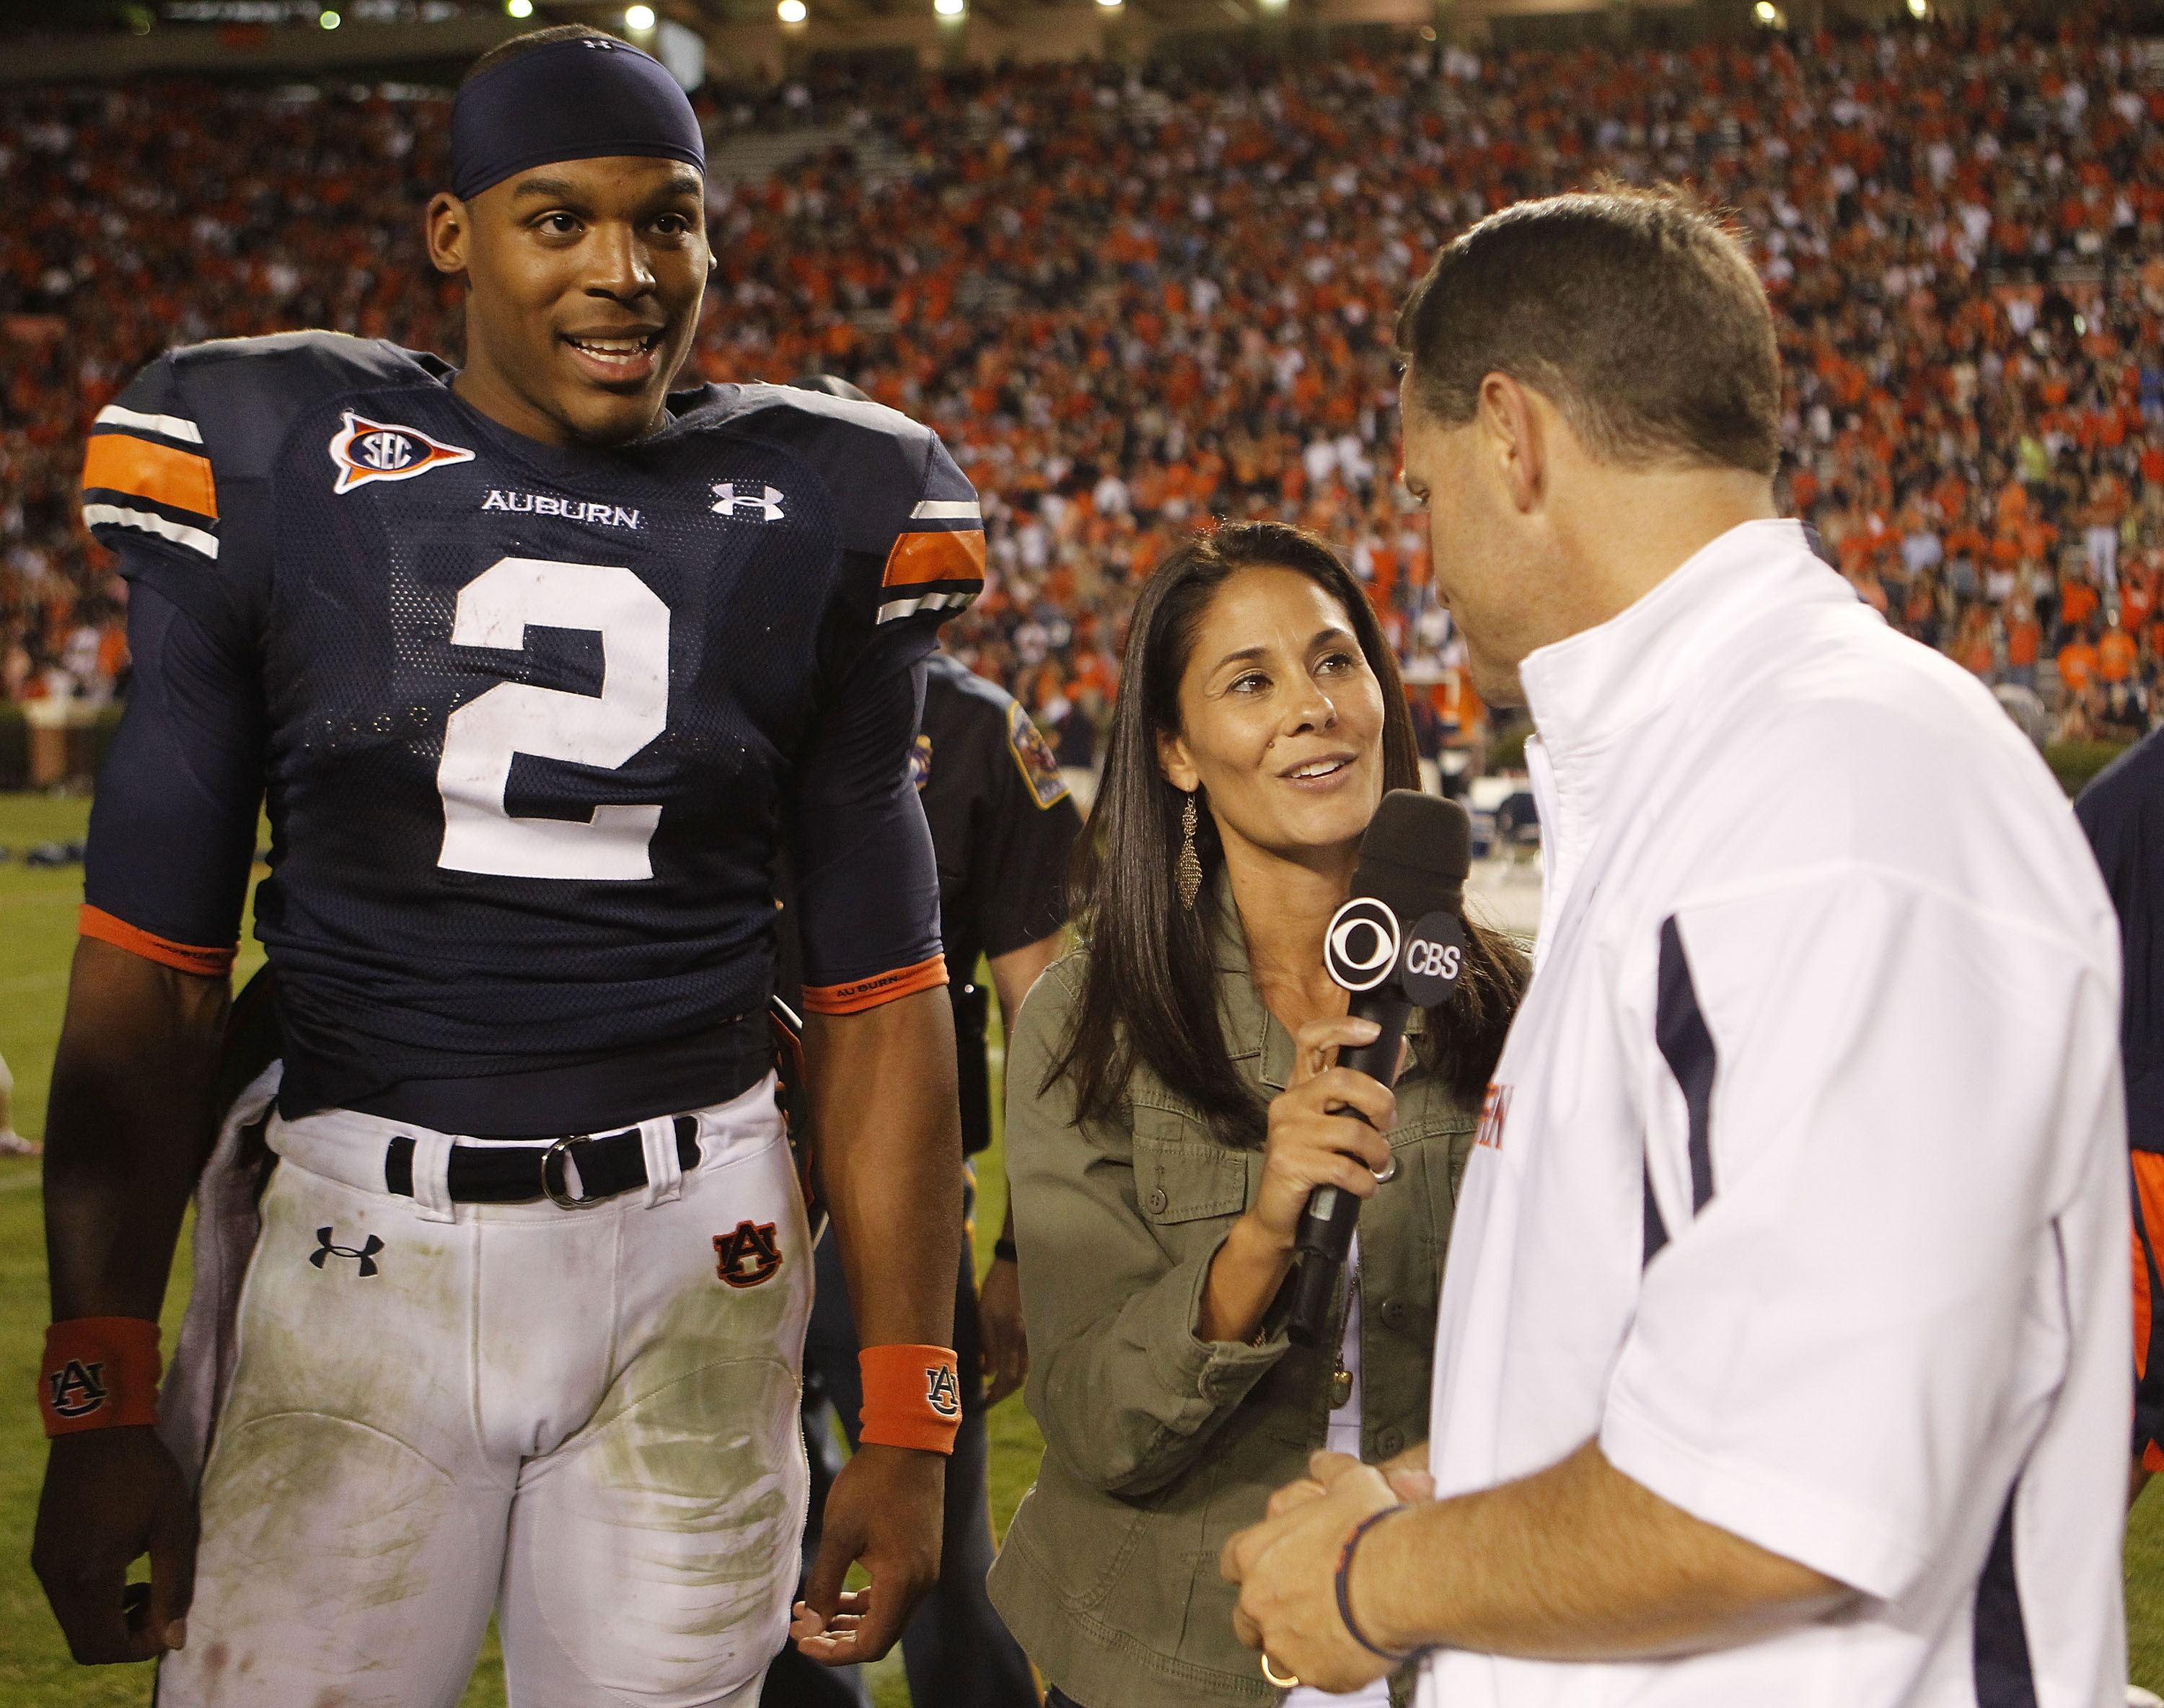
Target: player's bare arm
[[1577, 1563], [888, 1164], [130, 1125]]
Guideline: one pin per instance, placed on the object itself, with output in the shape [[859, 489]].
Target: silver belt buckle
[[564, 1201]]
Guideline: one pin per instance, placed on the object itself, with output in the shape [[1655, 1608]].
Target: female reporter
[[1171, 1103]]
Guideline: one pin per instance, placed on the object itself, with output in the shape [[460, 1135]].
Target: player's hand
[[998, 1320], [887, 1510], [1286, 1567], [112, 1495], [1310, 1145]]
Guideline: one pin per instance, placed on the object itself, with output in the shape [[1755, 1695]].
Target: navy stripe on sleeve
[[2005, 1677], [1687, 1046]]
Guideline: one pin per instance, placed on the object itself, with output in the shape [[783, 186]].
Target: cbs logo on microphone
[[1365, 947]]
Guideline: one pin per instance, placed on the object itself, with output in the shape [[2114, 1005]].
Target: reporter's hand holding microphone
[[1326, 1128], [1316, 1141]]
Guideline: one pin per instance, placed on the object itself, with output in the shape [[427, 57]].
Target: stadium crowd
[[1134, 299]]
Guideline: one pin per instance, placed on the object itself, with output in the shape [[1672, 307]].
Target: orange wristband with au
[[912, 1396], [99, 1373]]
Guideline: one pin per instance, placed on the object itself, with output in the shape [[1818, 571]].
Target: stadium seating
[[1131, 299]]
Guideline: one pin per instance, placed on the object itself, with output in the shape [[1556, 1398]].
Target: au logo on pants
[[750, 1255]]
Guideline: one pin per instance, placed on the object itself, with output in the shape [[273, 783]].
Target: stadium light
[[639, 16], [519, 8], [1110, 5], [1764, 12], [791, 12], [330, 20], [949, 8], [1919, 8]]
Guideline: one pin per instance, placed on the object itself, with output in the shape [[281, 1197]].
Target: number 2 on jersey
[[483, 736]]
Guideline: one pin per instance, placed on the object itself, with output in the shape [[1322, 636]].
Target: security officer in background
[[1003, 825]]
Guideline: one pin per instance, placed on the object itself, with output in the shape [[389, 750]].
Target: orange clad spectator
[[111, 648], [2077, 601], [2037, 538], [2013, 506], [2115, 655], [2077, 664], [2137, 600], [2024, 638]]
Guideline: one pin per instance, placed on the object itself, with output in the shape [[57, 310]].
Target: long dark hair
[[1150, 996]]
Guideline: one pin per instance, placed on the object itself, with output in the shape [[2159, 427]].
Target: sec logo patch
[[366, 450]]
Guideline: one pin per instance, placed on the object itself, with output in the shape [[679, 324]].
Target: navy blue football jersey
[[534, 721]]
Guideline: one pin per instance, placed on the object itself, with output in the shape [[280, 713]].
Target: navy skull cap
[[585, 98]]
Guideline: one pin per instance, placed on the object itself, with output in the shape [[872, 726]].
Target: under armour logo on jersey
[[78, 1388], [367, 451], [941, 1392], [365, 1253], [750, 1255], [728, 502]]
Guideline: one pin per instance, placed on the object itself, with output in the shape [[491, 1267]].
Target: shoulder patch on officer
[[1040, 767]]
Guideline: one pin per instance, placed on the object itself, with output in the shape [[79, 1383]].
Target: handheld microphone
[[1397, 944]]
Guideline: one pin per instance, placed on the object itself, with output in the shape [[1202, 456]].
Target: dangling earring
[[1189, 867]]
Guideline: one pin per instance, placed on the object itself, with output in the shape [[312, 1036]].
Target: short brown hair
[[1636, 313], [527, 43]]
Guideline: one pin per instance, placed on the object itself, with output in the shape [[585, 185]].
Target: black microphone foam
[[1416, 854]]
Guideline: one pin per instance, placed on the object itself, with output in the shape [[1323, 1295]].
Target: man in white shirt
[[1781, 1347]]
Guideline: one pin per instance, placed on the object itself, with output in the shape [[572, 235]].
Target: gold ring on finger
[[1271, 1674]]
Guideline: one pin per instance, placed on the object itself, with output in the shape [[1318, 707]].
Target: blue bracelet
[[1344, 1584]]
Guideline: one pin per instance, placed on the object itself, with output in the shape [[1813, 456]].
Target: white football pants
[[569, 1417]]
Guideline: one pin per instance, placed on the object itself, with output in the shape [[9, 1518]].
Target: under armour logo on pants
[[365, 1253]]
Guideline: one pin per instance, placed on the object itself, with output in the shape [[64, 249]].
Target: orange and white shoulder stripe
[[939, 563], [139, 473]]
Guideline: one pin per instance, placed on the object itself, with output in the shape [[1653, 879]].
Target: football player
[[540, 665]]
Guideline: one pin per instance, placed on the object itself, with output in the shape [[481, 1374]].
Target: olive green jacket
[[1159, 1446]]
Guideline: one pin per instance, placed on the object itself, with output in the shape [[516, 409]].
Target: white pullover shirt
[[1801, 1184]]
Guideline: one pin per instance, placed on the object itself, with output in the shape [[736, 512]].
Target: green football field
[[37, 933]]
